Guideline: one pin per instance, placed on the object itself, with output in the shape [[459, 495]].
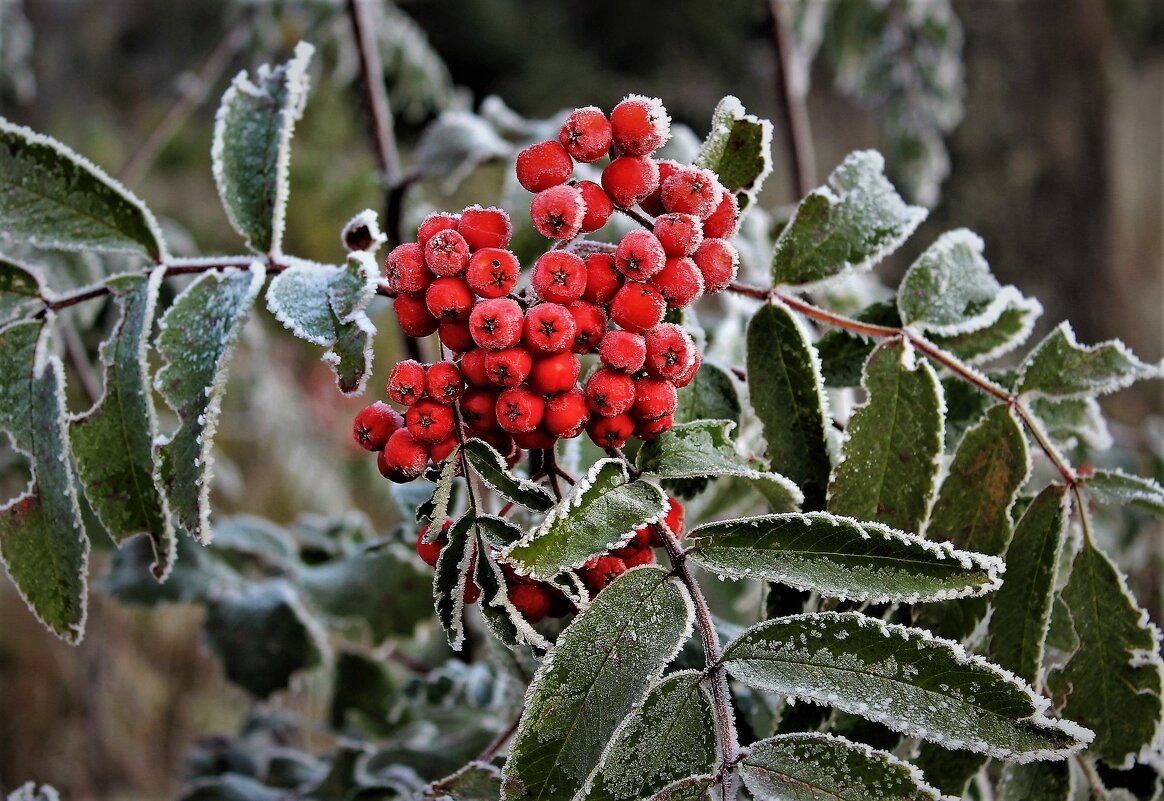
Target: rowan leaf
[[20, 293], [453, 569], [1012, 328], [490, 466], [436, 508], [1059, 367], [738, 149], [710, 396], [1038, 781], [691, 788], [477, 781], [843, 354], [1120, 488], [504, 620]]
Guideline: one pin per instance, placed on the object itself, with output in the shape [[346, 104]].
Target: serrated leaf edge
[[526, 633]]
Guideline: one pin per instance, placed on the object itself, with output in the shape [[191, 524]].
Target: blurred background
[[1037, 123]]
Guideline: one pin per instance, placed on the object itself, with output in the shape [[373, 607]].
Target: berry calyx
[[485, 228], [639, 125], [637, 307], [543, 165], [669, 351], [559, 277], [443, 382], [496, 324], [492, 272], [558, 212], [586, 134], [549, 328], [639, 255], [630, 179], [519, 410], [375, 424], [624, 351], [609, 392], [406, 382], [509, 367]]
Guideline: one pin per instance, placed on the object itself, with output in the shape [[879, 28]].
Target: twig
[[1098, 790], [639, 217], [499, 741], [797, 132]]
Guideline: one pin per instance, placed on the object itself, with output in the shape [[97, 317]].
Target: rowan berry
[[597, 573], [691, 191], [586, 134], [441, 450], [647, 430], [485, 228], [406, 382], [538, 439], [724, 221], [624, 351], [637, 307], [654, 398], [554, 374], [519, 410], [567, 414], [430, 422], [602, 279], [653, 203], [446, 253], [597, 204], [679, 234], [502, 442], [639, 125], [492, 272], [403, 457], [689, 375], [560, 603], [437, 221], [629, 179], [413, 316], [589, 326], [530, 599], [558, 276], [509, 367], [472, 591], [430, 552], [449, 299], [679, 282], [639, 255], [633, 555], [455, 335], [479, 409], [496, 324], [473, 367], [374, 424], [558, 212], [669, 351], [405, 270], [717, 260], [543, 165], [549, 328], [609, 392], [443, 382], [673, 520]]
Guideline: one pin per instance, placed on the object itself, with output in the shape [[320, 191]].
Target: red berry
[[718, 260], [679, 234], [560, 603], [602, 279], [485, 228], [635, 555], [430, 422], [623, 351], [647, 430], [554, 374], [430, 552], [405, 270], [549, 328], [609, 392], [598, 206], [691, 191], [443, 382], [689, 376], [600, 571], [630, 179], [374, 424], [449, 299], [543, 165], [586, 134], [558, 212], [502, 442], [679, 282], [639, 125], [492, 272], [509, 367], [538, 439], [455, 335], [558, 276], [496, 324], [437, 221], [654, 398], [473, 367], [637, 307], [479, 409], [653, 203], [530, 600], [519, 410], [472, 591], [724, 221], [446, 253], [403, 457], [674, 518], [567, 414], [639, 255], [406, 382], [413, 316], [441, 450], [670, 351], [589, 326]]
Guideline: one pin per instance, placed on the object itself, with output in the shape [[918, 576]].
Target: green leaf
[[846, 226], [262, 634], [1114, 680], [362, 694], [491, 467], [20, 293], [381, 586], [113, 441], [1120, 488], [198, 574], [669, 735], [889, 461], [602, 512], [326, 305], [1012, 328], [251, 152], [705, 450], [905, 679], [1059, 367], [477, 781], [951, 771], [42, 541], [1022, 608], [196, 338], [692, 788], [710, 396], [1039, 781], [502, 618], [1073, 421], [738, 149], [52, 197], [842, 558], [787, 393], [843, 354], [448, 581], [436, 508], [592, 680], [821, 767]]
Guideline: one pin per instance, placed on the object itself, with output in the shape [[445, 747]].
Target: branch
[[790, 96], [380, 120]]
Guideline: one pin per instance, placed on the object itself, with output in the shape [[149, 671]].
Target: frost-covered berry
[[725, 220], [473, 367], [609, 392], [479, 409], [492, 272], [374, 424], [689, 375], [589, 326], [654, 397], [509, 367], [649, 536], [567, 414], [413, 316], [629, 179], [679, 282], [429, 422], [558, 212], [449, 299], [634, 556], [600, 571], [597, 204], [431, 551], [496, 324], [639, 255], [602, 278], [670, 351], [406, 382], [403, 458], [441, 450], [653, 203], [549, 328], [558, 277], [623, 351], [679, 234], [437, 221], [586, 134], [691, 191], [405, 270], [443, 382], [639, 125], [637, 307], [718, 261], [537, 439], [519, 410], [555, 373], [455, 335], [611, 432], [446, 253], [485, 228], [543, 165], [530, 599], [647, 430]]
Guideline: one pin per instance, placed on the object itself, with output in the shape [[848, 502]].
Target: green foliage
[[710, 396], [1059, 367], [738, 150], [490, 466], [20, 293], [1116, 487]]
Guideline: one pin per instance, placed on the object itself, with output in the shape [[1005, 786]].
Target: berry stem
[[790, 91], [639, 217]]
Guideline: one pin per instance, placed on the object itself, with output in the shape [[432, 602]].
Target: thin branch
[[499, 741], [1098, 790], [791, 96], [381, 126], [639, 217]]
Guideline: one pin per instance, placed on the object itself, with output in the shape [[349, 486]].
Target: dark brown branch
[[797, 132]]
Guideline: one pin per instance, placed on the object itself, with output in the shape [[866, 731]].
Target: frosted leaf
[[490, 466], [711, 395], [476, 781], [1059, 367], [1118, 487], [1039, 781], [692, 788], [362, 232], [1012, 328], [843, 354], [1073, 421], [905, 679], [448, 581], [30, 792], [592, 680], [455, 144], [436, 508], [843, 558], [738, 149], [502, 618], [20, 293]]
